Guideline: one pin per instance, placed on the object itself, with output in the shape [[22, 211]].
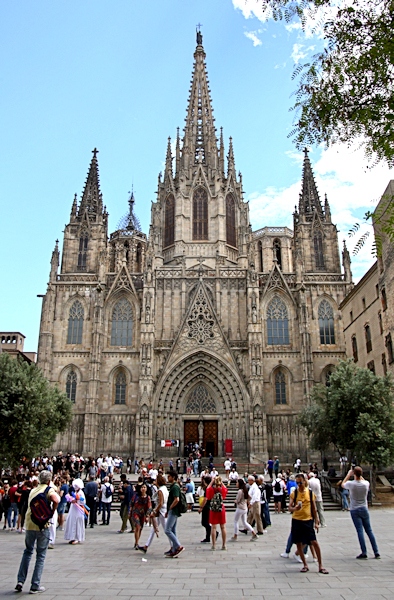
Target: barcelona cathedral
[[205, 330]]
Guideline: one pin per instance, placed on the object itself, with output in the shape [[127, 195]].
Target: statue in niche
[[254, 314], [201, 431]]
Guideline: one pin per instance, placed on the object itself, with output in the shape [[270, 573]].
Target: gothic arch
[[200, 400], [285, 369], [108, 311], [68, 304], [65, 371], [326, 371]]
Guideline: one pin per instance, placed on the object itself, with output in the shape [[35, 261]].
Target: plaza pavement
[[106, 566]]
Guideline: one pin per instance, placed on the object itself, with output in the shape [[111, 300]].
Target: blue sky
[[77, 75]]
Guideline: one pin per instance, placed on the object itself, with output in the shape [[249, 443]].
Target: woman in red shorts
[[216, 493]]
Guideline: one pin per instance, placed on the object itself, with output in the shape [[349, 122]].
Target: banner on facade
[[169, 443]]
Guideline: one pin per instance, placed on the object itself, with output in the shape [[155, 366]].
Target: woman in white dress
[[75, 525]]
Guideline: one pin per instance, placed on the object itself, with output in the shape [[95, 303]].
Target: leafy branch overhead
[[346, 92]]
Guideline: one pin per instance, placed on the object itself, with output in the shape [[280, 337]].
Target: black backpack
[[277, 486], [41, 510]]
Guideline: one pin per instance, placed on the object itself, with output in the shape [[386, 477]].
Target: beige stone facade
[[204, 330]]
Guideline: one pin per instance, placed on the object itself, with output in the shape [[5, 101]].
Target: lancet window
[[318, 248], [230, 221], [200, 214], [122, 324], [71, 386], [169, 221], [326, 323], [120, 388], [75, 323], [277, 322], [280, 388], [83, 251]]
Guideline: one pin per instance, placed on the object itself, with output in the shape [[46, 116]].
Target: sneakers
[[168, 553], [51, 546], [298, 558], [18, 587], [254, 538], [142, 549], [245, 531], [377, 555], [284, 555], [37, 590], [178, 551], [362, 556]]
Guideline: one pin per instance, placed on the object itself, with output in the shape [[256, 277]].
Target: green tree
[[355, 413], [32, 412], [346, 92]]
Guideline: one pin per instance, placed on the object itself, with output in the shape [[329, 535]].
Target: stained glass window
[[230, 221], [71, 386], [200, 214], [122, 324], [280, 388], [318, 247], [326, 323], [75, 323], [277, 322], [169, 221], [120, 388]]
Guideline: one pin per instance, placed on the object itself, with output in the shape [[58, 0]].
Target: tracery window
[[200, 214], [231, 235], [278, 252], [122, 324], [75, 323], [169, 221], [326, 323], [318, 247], [200, 401], [71, 386], [277, 322], [280, 388], [120, 388], [83, 251]]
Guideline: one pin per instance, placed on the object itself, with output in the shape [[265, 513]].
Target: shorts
[[61, 509], [278, 498], [189, 498], [302, 532]]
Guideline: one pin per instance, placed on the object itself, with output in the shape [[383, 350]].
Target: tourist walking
[[358, 491], [204, 506], [304, 521], [172, 515], [241, 510], [159, 512], [74, 531], [216, 493], [36, 536], [107, 490], [140, 510]]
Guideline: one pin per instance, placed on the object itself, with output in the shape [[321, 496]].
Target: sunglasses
[[300, 482]]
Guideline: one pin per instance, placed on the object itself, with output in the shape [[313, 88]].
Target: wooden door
[[191, 432], [210, 440]]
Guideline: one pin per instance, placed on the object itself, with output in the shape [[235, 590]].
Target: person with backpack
[[216, 494], [107, 490], [278, 488], [42, 503], [175, 507]]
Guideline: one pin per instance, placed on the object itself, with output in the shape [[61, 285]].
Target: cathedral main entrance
[[205, 431]]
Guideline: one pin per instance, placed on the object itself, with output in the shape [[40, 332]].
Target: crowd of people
[[85, 489]]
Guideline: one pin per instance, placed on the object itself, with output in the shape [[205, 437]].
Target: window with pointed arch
[[326, 323], [200, 214], [83, 251], [280, 387], [120, 387], [231, 234], [138, 258], [318, 248], [277, 323], [122, 323], [75, 323], [260, 255], [278, 252], [71, 386], [169, 221]]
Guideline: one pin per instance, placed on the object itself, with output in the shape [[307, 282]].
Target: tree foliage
[[32, 412], [346, 92], [355, 413]]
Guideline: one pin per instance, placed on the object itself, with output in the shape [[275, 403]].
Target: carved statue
[[201, 431], [199, 38]]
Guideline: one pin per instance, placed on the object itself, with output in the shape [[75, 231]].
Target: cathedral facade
[[204, 330]]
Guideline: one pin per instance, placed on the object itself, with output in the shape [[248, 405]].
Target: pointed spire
[[221, 152], [199, 142], [54, 262], [130, 221], [346, 262], [309, 197], [327, 210], [177, 152], [168, 170], [91, 197], [74, 208], [230, 157]]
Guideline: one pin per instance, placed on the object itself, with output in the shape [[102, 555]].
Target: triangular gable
[[123, 281], [200, 178], [276, 280], [201, 330]]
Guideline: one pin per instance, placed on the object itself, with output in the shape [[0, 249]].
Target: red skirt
[[217, 518]]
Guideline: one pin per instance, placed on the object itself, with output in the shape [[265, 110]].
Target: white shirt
[[227, 465], [358, 490], [282, 487], [110, 461], [214, 473], [103, 496], [153, 473], [233, 476], [315, 486], [254, 493], [163, 489]]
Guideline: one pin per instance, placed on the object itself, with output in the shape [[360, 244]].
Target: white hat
[[77, 484]]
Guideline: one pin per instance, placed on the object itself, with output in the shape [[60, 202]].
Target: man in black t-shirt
[[172, 515]]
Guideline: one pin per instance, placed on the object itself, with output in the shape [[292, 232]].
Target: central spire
[[309, 197], [199, 141]]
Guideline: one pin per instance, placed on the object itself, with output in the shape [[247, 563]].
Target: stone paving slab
[[106, 565]]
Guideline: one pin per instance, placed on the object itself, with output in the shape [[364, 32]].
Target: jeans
[[170, 530], [106, 510], [266, 511], [12, 509], [42, 539], [360, 518], [290, 543], [91, 503], [345, 496]]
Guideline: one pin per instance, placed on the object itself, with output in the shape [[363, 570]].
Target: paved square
[[107, 566]]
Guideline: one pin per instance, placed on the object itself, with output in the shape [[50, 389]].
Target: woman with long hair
[[158, 514], [216, 493], [204, 506], [241, 510], [140, 512]]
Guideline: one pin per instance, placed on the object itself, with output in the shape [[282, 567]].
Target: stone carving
[[200, 401], [200, 322]]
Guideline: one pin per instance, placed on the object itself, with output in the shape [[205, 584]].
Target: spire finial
[[95, 152], [309, 197], [198, 34], [91, 197]]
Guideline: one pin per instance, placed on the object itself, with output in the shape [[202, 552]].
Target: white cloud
[[351, 188], [251, 8], [252, 35], [300, 52]]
